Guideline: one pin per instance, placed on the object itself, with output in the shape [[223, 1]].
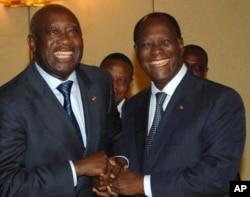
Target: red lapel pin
[[181, 107], [93, 98]]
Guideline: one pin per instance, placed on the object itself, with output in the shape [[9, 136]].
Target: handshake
[[111, 176], [106, 184]]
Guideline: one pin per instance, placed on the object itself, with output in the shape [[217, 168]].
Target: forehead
[[193, 57], [194, 54], [155, 25], [117, 64], [53, 15]]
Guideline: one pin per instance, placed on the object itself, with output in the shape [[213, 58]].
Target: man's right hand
[[92, 165]]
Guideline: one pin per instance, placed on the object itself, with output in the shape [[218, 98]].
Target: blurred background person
[[196, 58], [121, 70]]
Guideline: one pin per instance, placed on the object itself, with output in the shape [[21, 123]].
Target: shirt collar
[[172, 85], [53, 82], [119, 106]]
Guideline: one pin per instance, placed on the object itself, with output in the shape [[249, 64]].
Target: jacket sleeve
[[17, 179]]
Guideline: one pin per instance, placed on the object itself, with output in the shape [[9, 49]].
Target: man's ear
[[135, 48], [181, 45], [31, 42]]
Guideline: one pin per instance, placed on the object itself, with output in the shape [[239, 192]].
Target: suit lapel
[[91, 102], [170, 121], [173, 116], [49, 110]]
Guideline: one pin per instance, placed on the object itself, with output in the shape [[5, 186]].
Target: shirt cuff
[[73, 172], [147, 186], [123, 158]]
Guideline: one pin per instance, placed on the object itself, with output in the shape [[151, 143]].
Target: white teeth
[[63, 54], [160, 62]]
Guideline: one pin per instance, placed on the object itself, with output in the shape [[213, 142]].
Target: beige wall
[[221, 27]]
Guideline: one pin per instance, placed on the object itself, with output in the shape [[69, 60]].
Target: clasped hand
[[103, 182]]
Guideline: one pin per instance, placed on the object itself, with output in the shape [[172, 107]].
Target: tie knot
[[65, 88], [160, 97]]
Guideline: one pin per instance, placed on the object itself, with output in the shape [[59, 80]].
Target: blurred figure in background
[[196, 58], [121, 70]]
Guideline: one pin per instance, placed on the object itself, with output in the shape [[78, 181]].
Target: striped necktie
[[160, 97], [65, 89]]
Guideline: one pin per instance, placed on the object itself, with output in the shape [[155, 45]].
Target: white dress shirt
[[119, 106]]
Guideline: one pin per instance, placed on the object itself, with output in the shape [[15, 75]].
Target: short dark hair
[[162, 15], [119, 56], [197, 48]]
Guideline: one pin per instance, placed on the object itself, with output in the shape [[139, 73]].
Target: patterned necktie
[[65, 88], [160, 97]]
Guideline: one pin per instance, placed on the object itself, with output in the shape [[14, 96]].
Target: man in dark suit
[[41, 153], [121, 70], [197, 146]]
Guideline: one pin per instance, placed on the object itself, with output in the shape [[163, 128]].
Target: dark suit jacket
[[199, 142], [37, 138]]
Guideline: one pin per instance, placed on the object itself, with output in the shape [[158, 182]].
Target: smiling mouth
[[63, 54], [159, 62]]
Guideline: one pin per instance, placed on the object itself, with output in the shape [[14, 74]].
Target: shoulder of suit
[[92, 70], [140, 97]]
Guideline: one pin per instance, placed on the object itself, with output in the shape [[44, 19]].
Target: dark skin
[[57, 47], [103, 182], [196, 60], [57, 43], [121, 74], [159, 51], [127, 183]]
